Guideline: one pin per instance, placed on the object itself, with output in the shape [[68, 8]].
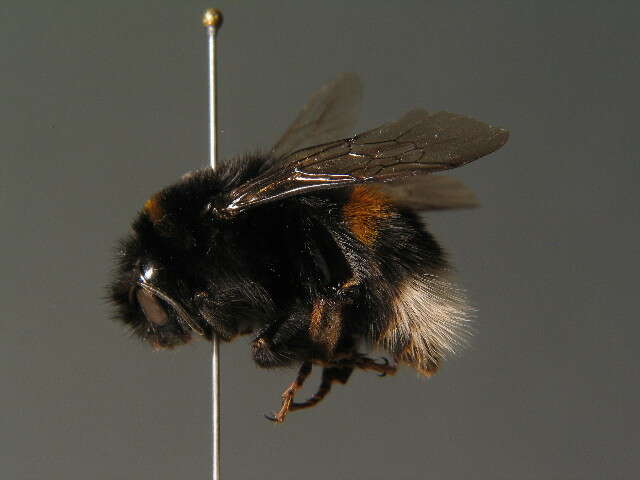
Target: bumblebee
[[314, 248]]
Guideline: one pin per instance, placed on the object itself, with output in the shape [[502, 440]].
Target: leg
[[289, 393], [329, 375], [285, 341], [366, 363], [339, 373]]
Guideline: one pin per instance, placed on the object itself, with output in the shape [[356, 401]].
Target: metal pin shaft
[[212, 20]]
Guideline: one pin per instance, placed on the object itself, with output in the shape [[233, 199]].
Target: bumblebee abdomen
[[413, 308], [365, 213]]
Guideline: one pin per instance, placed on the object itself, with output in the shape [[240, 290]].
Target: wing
[[431, 192], [418, 143], [330, 113]]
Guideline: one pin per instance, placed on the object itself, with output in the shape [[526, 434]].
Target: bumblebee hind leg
[[383, 368]]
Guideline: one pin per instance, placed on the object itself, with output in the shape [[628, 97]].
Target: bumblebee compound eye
[[151, 307], [160, 310]]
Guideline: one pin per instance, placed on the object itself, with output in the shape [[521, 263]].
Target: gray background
[[104, 102]]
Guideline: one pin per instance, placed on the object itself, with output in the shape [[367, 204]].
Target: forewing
[[418, 143], [330, 113]]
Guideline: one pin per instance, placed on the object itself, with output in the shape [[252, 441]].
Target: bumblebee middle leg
[[281, 343], [340, 374], [329, 376]]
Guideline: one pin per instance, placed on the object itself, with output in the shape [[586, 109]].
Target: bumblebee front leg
[[290, 392]]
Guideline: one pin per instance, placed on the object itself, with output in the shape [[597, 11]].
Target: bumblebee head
[[180, 269], [159, 267], [151, 297]]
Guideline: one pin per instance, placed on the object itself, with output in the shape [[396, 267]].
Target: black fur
[[262, 271]]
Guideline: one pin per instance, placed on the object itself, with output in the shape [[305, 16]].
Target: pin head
[[212, 18]]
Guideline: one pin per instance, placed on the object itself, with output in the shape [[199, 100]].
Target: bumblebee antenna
[[212, 20]]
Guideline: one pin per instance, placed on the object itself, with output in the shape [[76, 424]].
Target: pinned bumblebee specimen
[[314, 248]]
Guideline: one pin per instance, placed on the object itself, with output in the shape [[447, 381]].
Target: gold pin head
[[212, 18]]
